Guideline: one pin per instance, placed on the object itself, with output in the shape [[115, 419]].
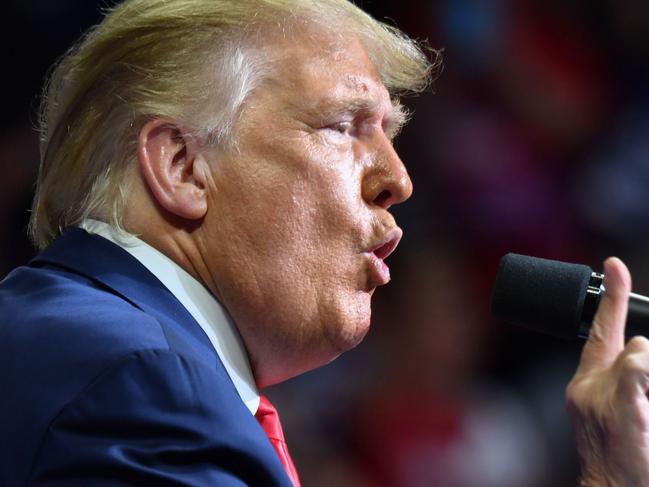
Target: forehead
[[323, 69]]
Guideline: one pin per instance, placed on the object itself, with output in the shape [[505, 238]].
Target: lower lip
[[380, 270]]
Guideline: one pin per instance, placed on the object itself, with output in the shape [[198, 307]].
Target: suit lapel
[[112, 268], [117, 271]]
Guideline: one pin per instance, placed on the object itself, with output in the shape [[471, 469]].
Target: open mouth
[[383, 250]]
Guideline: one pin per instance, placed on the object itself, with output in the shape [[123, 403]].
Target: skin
[[607, 398], [281, 228]]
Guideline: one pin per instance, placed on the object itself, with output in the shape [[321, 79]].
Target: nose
[[386, 181]]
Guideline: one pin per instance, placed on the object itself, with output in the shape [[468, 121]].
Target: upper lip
[[388, 243]]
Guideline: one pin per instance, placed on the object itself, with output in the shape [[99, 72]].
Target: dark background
[[536, 140]]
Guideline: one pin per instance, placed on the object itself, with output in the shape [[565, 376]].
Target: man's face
[[298, 223]]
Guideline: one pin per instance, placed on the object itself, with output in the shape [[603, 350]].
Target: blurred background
[[536, 140]]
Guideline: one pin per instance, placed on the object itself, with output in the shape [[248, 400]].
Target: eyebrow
[[394, 120]]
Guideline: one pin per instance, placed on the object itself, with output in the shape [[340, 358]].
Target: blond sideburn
[[193, 62]]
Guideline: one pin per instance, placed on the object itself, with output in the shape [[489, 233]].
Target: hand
[[607, 397]]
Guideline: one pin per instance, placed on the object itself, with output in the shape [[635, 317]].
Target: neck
[[178, 240]]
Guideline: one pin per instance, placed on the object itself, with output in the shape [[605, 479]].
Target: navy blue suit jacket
[[106, 379]]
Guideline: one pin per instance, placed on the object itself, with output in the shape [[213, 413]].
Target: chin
[[339, 328], [350, 329], [314, 356], [347, 337], [337, 336]]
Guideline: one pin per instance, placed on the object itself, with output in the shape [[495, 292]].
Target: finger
[[606, 338], [633, 377], [633, 364], [637, 344]]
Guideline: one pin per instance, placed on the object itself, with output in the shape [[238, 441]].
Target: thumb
[[606, 337]]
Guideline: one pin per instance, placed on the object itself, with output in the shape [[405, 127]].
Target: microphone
[[556, 298]]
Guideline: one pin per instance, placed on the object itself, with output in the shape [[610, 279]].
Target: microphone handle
[[637, 322]]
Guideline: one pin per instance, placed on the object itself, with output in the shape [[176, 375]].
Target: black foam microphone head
[[544, 295]]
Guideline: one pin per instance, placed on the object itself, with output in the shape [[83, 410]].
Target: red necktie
[[269, 421]]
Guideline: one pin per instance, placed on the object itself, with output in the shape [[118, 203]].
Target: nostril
[[382, 198]]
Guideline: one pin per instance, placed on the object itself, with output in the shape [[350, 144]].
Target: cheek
[[308, 209], [290, 259], [295, 222]]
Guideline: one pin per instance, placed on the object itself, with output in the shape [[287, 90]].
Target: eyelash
[[341, 127], [345, 127]]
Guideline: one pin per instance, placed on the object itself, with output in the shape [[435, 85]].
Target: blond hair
[[190, 61]]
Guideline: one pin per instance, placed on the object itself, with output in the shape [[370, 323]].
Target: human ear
[[175, 173]]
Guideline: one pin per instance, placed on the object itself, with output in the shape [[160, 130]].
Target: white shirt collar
[[204, 308]]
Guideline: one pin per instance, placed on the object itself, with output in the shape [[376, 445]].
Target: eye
[[340, 127]]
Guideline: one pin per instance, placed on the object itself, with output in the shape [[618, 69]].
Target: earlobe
[[175, 174]]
